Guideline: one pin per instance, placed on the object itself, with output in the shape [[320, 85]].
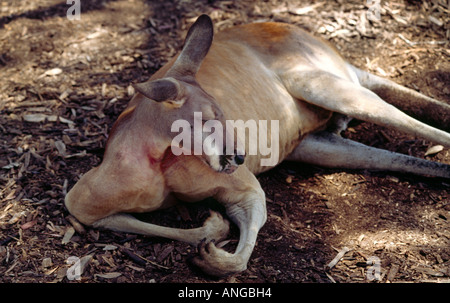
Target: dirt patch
[[65, 82]]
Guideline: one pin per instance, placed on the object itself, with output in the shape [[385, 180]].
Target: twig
[[136, 258], [330, 277], [9, 239], [406, 40], [410, 43], [76, 225], [338, 257]]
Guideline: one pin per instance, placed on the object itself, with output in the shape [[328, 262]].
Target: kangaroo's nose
[[239, 159]]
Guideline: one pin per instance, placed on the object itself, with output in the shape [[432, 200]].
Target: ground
[[64, 82]]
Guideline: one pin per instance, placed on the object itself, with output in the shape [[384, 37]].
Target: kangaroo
[[261, 71]]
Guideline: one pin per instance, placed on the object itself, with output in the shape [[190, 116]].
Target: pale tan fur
[[263, 71]]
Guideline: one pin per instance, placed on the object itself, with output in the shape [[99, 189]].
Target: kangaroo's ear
[[196, 46], [161, 90]]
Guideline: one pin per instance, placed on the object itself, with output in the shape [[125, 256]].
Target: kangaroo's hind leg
[[413, 103], [330, 150], [343, 96]]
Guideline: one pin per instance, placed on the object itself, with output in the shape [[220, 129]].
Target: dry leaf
[[61, 147], [16, 217], [53, 72], [109, 247], [68, 235], [434, 150], [306, 9], [28, 225], [47, 262], [66, 121], [110, 275], [11, 165], [35, 117]]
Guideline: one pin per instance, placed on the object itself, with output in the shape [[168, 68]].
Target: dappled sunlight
[[399, 253]]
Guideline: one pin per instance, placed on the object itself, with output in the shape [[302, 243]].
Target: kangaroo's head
[[184, 116], [146, 137]]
